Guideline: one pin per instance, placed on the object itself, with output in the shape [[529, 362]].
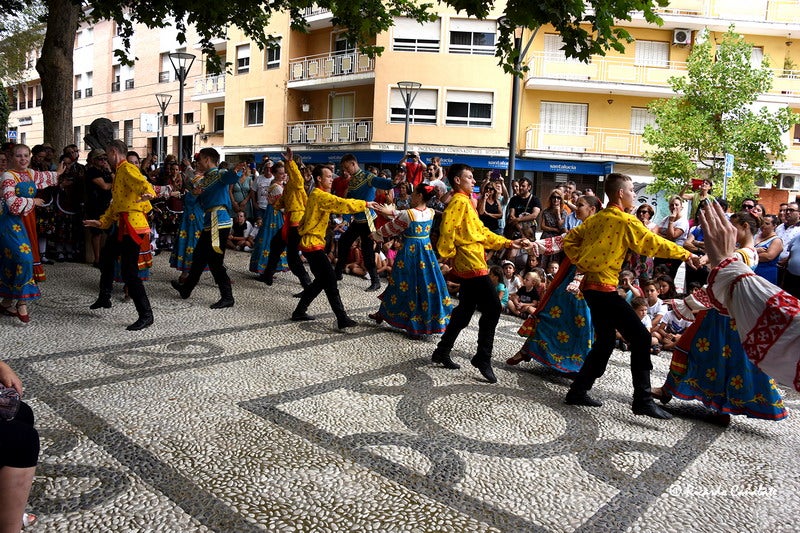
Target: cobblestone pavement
[[239, 420]]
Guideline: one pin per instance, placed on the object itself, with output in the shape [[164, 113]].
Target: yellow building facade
[[318, 94]]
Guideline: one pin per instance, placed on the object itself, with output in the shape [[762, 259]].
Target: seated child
[[669, 330], [523, 302], [655, 307], [628, 286], [496, 275]]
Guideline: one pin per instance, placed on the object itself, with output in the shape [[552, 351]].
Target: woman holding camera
[[489, 209]]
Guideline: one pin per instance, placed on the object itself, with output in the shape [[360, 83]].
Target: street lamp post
[[408, 91], [163, 102], [181, 62], [515, 87]]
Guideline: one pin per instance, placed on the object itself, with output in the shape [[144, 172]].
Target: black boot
[[375, 284], [181, 289], [226, 294], [443, 358], [104, 301], [485, 367], [643, 403], [145, 312]]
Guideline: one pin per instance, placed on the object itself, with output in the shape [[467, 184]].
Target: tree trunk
[[55, 71]]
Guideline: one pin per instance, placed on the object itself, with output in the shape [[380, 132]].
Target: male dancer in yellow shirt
[[131, 194], [464, 239], [293, 202], [598, 247], [321, 203]]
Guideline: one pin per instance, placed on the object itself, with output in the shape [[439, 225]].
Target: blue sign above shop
[[390, 159]]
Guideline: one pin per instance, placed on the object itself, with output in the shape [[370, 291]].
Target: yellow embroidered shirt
[[464, 237], [315, 220], [126, 192], [599, 245], [294, 198]]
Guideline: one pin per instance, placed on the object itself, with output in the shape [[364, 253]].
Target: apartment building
[[104, 87], [318, 94], [594, 113]]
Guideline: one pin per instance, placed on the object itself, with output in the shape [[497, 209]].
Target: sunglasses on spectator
[[790, 210], [748, 206]]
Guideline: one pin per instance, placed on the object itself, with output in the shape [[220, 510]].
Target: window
[[469, 108], [422, 111], [115, 84], [243, 59], [757, 57], [641, 117], [78, 86], [87, 84], [472, 36], [166, 72], [411, 36], [176, 118], [796, 136], [219, 119], [564, 119], [273, 55], [128, 133], [188, 118], [553, 50], [86, 134], [254, 113], [651, 54], [76, 135], [114, 130]]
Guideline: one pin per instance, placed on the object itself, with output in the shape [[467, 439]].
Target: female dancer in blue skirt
[[709, 363], [559, 333], [416, 299]]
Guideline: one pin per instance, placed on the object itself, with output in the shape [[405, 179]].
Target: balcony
[[781, 11], [210, 89], [88, 92], [317, 17], [115, 87], [624, 76], [339, 131], [603, 142], [328, 70]]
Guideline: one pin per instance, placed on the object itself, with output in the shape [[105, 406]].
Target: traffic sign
[[11, 135]]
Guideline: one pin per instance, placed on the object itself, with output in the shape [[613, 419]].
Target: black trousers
[[128, 252], [204, 254], [791, 283], [611, 313], [324, 280], [291, 245], [476, 294], [354, 231]]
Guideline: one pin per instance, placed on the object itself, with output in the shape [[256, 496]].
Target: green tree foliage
[[587, 27], [20, 33], [713, 113], [5, 111]]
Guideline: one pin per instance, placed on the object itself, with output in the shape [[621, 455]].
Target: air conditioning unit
[[681, 36], [789, 182]]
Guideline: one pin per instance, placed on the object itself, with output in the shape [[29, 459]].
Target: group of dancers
[[573, 329]]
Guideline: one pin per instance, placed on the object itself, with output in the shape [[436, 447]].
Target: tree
[[587, 28], [5, 111], [714, 113]]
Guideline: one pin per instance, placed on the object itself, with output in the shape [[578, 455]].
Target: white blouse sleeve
[[767, 318]]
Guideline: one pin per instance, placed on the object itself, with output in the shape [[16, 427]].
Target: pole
[[512, 135], [181, 79], [158, 138], [405, 135]]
